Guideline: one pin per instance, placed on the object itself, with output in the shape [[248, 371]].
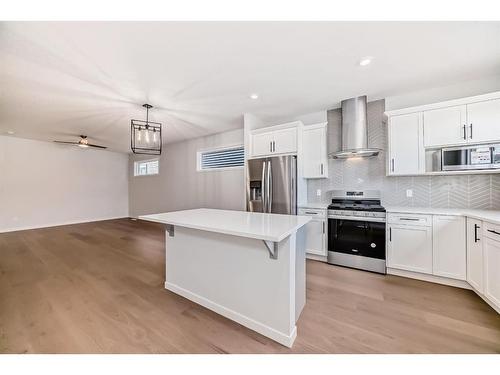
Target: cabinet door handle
[[493, 231], [476, 227], [323, 227], [465, 136], [390, 234], [470, 135], [322, 169], [274, 146], [271, 146], [392, 164]]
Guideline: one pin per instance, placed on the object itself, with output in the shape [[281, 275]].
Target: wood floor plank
[[98, 288]]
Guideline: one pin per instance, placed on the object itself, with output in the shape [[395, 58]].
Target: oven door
[[357, 237]]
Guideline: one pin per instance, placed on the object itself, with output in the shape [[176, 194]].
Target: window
[[146, 167], [221, 158]]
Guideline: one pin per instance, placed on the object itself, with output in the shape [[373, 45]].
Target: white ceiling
[[58, 80]]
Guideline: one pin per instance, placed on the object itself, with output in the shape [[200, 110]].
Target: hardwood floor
[[98, 288]]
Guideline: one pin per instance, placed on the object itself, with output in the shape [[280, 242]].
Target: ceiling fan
[[83, 143]]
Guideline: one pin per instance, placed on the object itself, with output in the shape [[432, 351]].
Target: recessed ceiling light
[[254, 96], [10, 132], [365, 61]]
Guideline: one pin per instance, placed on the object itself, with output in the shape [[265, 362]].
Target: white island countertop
[[492, 216], [268, 227]]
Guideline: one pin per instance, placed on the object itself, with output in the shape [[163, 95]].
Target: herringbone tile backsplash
[[465, 191]]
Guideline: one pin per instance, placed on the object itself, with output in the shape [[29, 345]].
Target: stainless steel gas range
[[356, 230]]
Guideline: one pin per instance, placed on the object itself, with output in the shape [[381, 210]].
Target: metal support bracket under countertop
[[272, 247]]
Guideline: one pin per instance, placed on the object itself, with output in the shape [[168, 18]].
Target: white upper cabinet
[[475, 274], [285, 141], [314, 153], [445, 126], [472, 123], [262, 144], [404, 144], [483, 120], [449, 247], [274, 140], [465, 121]]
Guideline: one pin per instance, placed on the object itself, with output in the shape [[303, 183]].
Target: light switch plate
[[318, 192], [409, 193]]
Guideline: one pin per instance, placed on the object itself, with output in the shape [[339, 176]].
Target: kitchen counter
[[269, 227], [492, 216], [249, 267]]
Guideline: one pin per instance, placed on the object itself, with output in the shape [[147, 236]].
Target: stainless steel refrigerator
[[272, 185]]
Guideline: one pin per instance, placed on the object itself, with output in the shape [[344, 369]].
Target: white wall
[[439, 94], [43, 184], [180, 186]]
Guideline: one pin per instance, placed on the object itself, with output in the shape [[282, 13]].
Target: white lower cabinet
[[315, 231], [475, 274], [491, 262], [410, 248], [451, 248], [449, 255]]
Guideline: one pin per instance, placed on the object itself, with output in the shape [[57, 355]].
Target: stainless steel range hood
[[354, 130]]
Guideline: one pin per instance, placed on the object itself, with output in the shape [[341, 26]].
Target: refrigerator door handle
[[269, 187], [263, 186]]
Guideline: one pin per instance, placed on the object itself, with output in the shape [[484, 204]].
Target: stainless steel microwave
[[470, 157]]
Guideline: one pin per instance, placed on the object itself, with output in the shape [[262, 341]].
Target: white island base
[[254, 276]]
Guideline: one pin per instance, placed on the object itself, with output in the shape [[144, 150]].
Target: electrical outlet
[[318, 192], [409, 193]]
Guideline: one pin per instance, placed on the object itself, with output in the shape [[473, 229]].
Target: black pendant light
[[145, 136]]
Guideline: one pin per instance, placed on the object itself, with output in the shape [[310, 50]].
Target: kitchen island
[[246, 266]]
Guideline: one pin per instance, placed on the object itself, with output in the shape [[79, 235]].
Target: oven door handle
[[358, 218]]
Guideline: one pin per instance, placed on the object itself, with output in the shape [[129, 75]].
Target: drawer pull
[[493, 231], [311, 213], [409, 219]]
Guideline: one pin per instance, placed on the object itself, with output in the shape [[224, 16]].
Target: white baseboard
[[485, 299], [430, 278], [58, 224], [441, 280], [492, 305], [282, 338]]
